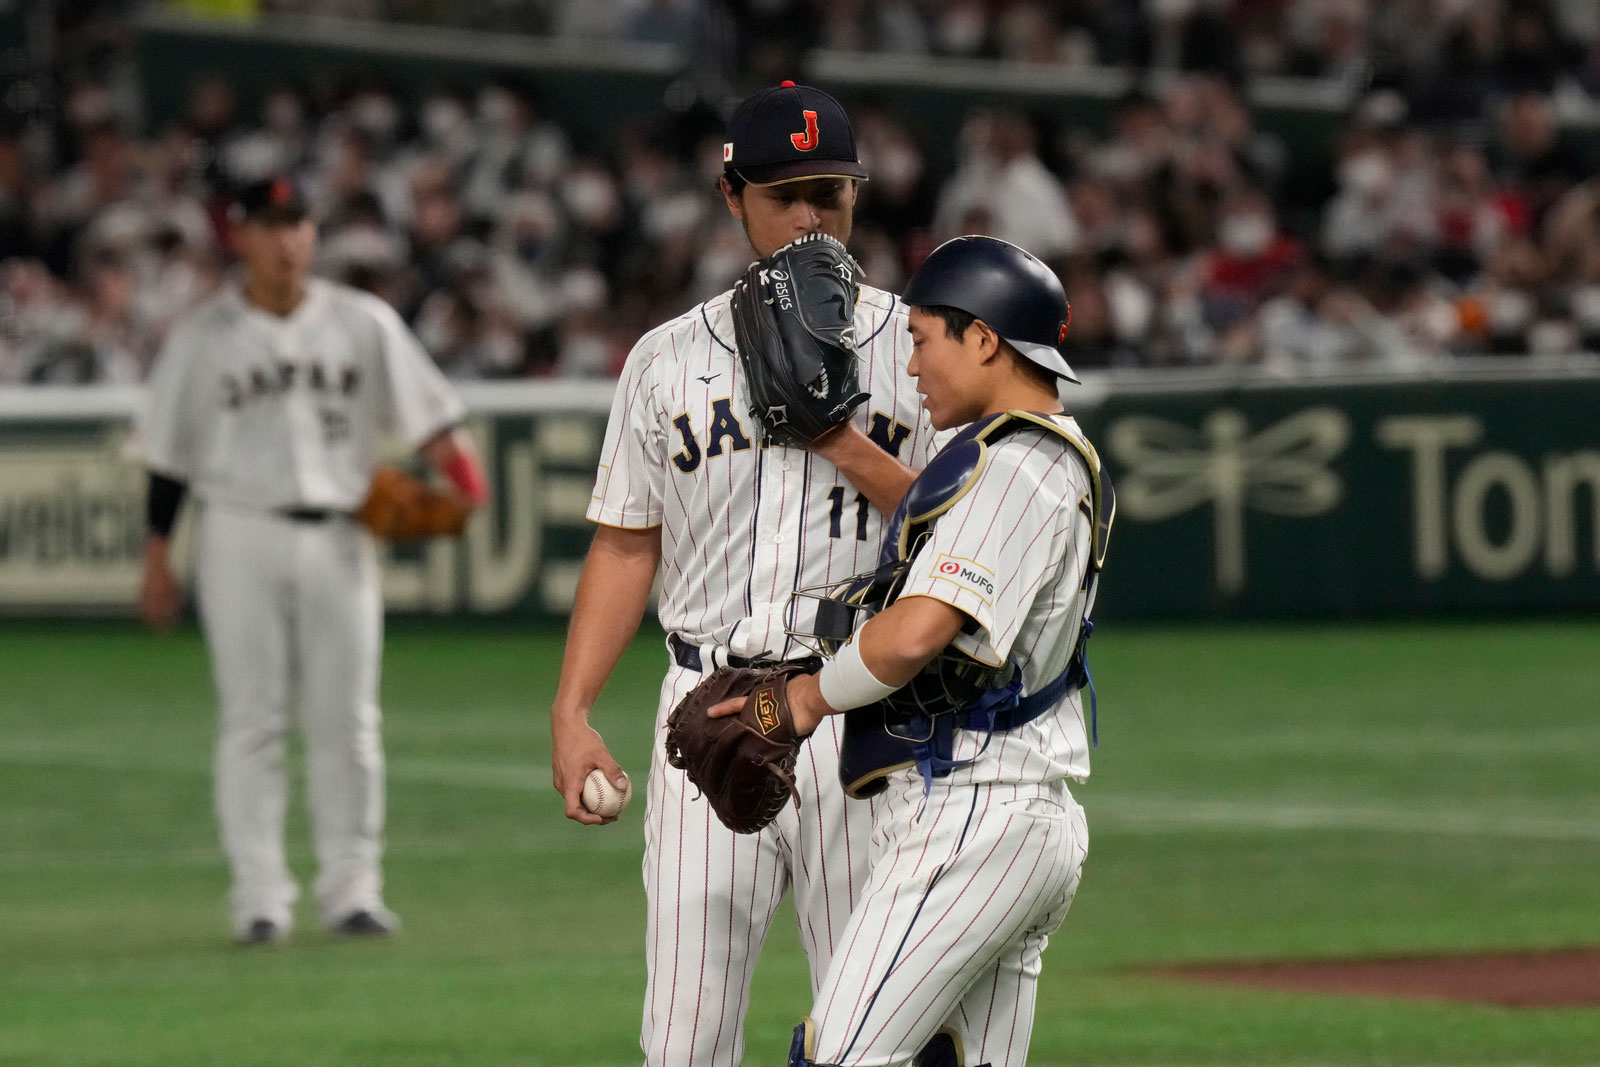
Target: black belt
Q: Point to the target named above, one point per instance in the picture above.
(688, 657)
(309, 514)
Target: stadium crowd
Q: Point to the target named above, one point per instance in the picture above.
(1458, 215)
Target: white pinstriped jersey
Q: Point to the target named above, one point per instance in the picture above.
(1013, 553)
(744, 525)
(267, 412)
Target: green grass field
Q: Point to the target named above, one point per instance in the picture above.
(1259, 793)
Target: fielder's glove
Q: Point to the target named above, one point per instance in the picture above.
(744, 763)
(401, 508)
(794, 319)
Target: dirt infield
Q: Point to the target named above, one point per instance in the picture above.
(1565, 978)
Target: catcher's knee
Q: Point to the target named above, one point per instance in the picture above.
(803, 1047)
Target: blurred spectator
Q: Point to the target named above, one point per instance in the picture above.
(1319, 325)
(99, 338)
(1189, 35)
(1457, 217)
(1534, 158)
(1471, 216)
(31, 302)
(1253, 260)
(1003, 189)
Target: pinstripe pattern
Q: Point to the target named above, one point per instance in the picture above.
(741, 528)
(969, 881)
(1021, 520)
(713, 893)
(949, 930)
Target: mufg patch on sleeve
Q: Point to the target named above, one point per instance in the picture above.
(966, 574)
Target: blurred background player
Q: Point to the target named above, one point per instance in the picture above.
(270, 402)
(686, 486)
(978, 845)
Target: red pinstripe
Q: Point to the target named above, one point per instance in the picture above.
(672, 998)
(951, 946)
(627, 413)
(707, 1029)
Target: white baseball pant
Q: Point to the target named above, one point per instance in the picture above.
(966, 888)
(293, 617)
(712, 894)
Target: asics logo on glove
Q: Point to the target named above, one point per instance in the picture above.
(795, 333)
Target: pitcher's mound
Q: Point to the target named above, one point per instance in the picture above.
(1565, 978)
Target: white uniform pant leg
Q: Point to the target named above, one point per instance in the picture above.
(829, 840)
(712, 895)
(243, 571)
(964, 898)
(995, 1019)
(339, 637)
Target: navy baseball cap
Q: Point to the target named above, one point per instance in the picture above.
(790, 133)
(275, 199)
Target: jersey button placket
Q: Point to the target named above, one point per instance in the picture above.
(778, 501)
(298, 414)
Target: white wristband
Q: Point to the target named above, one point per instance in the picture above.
(846, 682)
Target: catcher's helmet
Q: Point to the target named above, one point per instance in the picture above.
(1011, 290)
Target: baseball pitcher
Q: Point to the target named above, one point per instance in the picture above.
(755, 445)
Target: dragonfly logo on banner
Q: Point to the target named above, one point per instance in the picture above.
(1166, 468)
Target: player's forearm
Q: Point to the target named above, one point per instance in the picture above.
(869, 468)
(612, 593)
(454, 455)
(905, 637)
(886, 654)
(157, 551)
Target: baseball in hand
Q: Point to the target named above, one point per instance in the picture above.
(602, 797)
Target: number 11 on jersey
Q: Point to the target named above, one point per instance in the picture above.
(836, 513)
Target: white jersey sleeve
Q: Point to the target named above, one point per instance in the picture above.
(1014, 550)
(167, 433)
(631, 477)
(420, 400)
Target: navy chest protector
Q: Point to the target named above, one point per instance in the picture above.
(915, 726)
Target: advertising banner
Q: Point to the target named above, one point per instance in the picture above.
(1368, 498)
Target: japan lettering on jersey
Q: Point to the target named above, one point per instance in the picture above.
(743, 524)
(266, 412)
(1014, 554)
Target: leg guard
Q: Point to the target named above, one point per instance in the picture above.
(944, 1050)
(803, 1047)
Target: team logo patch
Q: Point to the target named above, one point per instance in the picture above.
(967, 574)
(808, 140)
(767, 710)
(727, 151)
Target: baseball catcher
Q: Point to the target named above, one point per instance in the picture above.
(744, 763)
(399, 507)
(794, 321)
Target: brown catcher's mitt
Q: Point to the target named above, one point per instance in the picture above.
(401, 508)
(744, 763)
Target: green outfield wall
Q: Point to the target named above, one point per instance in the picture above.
(1243, 497)
(1369, 498)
